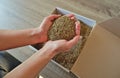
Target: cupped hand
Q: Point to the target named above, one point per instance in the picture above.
(63, 45)
(42, 30)
(44, 27)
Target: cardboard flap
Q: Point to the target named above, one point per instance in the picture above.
(100, 55)
(112, 25)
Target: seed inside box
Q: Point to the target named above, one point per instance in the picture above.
(67, 59)
(62, 28)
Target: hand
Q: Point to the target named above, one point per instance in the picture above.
(44, 27)
(63, 45)
(42, 30)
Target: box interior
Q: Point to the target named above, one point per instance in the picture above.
(64, 58)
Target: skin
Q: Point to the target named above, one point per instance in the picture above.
(33, 65)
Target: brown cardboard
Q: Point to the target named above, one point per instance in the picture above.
(112, 25)
(101, 54)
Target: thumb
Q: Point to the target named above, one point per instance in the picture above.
(53, 16)
(77, 23)
(74, 41)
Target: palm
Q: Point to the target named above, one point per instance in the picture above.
(45, 27)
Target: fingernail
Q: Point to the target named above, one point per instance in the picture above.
(72, 18)
(72, 14)
(59, 15)
(81, 37)
(78, 22)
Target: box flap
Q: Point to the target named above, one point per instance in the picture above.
(112, 25)
(101, 54)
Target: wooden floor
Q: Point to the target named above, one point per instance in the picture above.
(22, 14)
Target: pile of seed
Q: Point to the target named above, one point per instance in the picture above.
(62, 28)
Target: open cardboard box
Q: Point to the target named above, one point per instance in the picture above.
(89, 25)
(100, 55)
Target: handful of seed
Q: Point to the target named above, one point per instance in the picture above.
(62, 28)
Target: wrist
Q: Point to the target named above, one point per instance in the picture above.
(48, 51)
(36, 35)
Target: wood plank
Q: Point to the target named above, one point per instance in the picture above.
(20, 13)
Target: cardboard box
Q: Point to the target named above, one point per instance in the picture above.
(101, 53)
(89, 23)
(67, 59)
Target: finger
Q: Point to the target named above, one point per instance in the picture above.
(53, 16)
(73, 41)
(70, 15)
(73, 18)
(77, 23)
